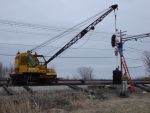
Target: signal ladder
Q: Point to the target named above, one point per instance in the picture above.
(125, 67)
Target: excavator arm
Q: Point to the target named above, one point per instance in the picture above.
(83, 32)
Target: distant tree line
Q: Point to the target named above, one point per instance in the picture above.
(147, 60)
(5, 71)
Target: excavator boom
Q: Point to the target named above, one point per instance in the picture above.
(83, 32)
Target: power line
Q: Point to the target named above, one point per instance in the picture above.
(28, 25)
(57, 46)
(12, 23)
(73, 48)
(24, 32)
(140, 50)
(6, 54)
(48, 35)
(135, 37)
(98, 57)
(60, 35)
(137, 66)
(132, 49)
(19, 24)
(68, 30)
(88, 38)
(15, 44)
(78, 57)
(33, 33)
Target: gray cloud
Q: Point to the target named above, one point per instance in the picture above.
(133, 16)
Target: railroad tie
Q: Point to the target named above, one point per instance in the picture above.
(80, 89)
(143, 87)
(8, 91)
(28, 89)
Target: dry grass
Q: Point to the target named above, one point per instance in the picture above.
(16, 104)
(71, 102)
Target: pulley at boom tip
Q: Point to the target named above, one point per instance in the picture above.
(114, 6)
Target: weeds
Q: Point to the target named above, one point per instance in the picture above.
(73, 102)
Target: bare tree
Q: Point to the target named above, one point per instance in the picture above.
(147, 60)
(86, 73)
(5, 71)
(1, 70)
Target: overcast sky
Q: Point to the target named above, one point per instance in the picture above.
(132, 16)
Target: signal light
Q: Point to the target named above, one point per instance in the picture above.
(113, 40)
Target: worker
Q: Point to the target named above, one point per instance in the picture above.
(124, 84)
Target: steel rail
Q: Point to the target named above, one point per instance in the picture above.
(78, 82)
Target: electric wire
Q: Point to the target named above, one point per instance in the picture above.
(68, 30)
(28, 25)
(25, 32)
(137, 66)
(103, 49)
(13, 23)
(43, 44)
(60, 29)
(139, 50)
(42, 34)
(87, 39)
(81, 57)
(80, 47)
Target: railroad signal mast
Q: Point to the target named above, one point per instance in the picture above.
(117, 41)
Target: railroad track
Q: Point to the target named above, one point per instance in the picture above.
(78, 82)
(13, 90)
(143, 87)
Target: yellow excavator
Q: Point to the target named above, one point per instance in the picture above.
(31, 67)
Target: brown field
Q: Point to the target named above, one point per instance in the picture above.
(75, 102)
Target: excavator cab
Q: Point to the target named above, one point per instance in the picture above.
(31, 68)
(50, 72)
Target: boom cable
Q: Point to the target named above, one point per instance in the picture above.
(68, 31)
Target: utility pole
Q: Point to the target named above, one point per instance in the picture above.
(120, 48)
(121, 52)
(118, 45)
(125, 75)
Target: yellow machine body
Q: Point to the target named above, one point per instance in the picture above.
(29, 65)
